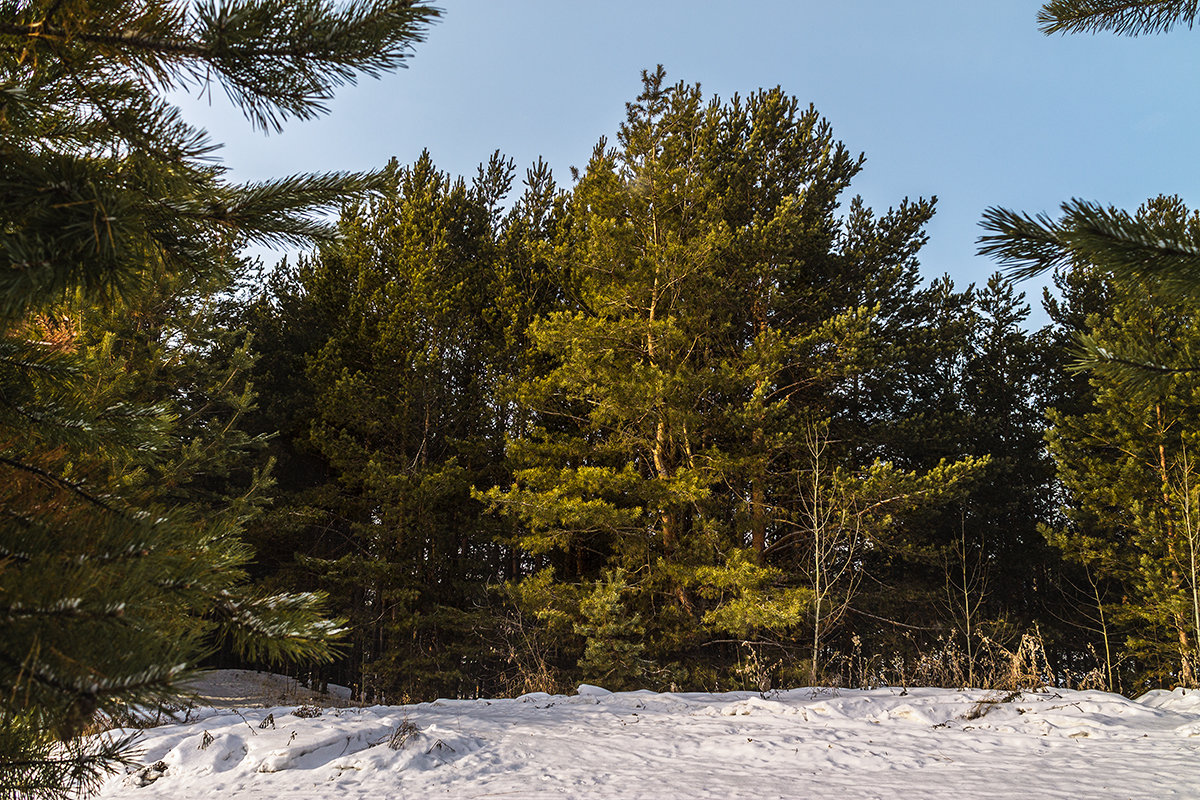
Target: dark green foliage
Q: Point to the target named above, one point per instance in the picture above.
(396, 341)
(1124, 458)
(125, 479)
(948, 374)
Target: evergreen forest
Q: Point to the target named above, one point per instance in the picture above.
(697, 421)
(690, 418)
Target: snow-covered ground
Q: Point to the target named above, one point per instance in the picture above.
(803, 743)
(242, 688)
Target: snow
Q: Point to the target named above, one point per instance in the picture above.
(834, 743)
(238, 688)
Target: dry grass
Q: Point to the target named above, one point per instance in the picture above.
(403, 734)
(1015, 666)
(986, 704)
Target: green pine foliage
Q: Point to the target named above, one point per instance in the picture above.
(1005, 393)
(397, 342)
(1126, 17)
(973, 381)
(716, 303)
(1159, 248)
(126, 481)
(1124, 458)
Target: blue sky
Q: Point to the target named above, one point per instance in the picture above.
(963, 99)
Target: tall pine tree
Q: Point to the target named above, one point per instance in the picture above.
(716, 313)
(1125, 459)
(112, 584)
(388, 353)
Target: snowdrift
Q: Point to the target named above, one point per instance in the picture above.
(821, 743)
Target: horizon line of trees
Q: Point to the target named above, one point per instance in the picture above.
(689, 423)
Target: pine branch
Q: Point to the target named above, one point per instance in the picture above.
(219, 28)
(1122, 17)
(1025, 245)
(276, 59)
(58, 481)
(279, 627)
(1162, 251)
(66, 608)
(34, 764)
(1133, 370)
(289, 210)
(1158, 251)
(94, 690)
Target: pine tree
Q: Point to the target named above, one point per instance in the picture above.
(714, 309)
(114, 582)
(388, 353)
(996, 565)
(1124, 458)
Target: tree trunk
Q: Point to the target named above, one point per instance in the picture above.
(1187, 674)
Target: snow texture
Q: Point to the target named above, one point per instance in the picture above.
(802, 743)
(242, 688)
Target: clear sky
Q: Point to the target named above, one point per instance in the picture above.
(963, 99)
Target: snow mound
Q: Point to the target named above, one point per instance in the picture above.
(882, 743)
(1185, 701)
